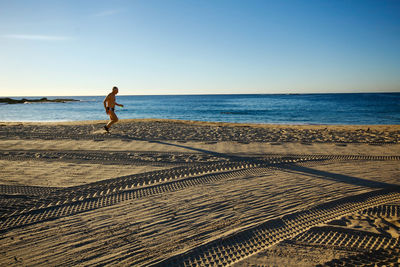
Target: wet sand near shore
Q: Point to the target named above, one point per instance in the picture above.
(180, 193)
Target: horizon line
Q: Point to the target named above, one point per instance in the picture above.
(216, 94)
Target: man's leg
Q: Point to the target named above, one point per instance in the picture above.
(113, 119)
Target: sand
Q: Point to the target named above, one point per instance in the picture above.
(184, 193)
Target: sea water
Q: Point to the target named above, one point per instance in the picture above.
(360, 108)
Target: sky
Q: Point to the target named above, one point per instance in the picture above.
(145, 47)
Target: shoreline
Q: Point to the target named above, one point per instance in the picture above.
(202, 123)
(181, 130)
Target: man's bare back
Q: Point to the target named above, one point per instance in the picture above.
(110, 99)
(109, 105)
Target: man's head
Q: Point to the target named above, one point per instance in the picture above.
(115, 90)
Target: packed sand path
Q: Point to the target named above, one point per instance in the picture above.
(179, 193)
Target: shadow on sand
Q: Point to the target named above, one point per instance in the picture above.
(288, 167)
(296, 169)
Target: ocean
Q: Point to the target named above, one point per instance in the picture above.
(349, 109)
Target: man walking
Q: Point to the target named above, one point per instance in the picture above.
(109, 105)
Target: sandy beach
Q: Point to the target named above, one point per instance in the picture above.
(184, 193)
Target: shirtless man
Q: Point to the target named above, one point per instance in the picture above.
(109, 106)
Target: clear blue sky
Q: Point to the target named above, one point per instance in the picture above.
(71, 47)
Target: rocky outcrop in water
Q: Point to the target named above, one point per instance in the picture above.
(7, 100)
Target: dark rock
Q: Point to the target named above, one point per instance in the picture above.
(8, 100)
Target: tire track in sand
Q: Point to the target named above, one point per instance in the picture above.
(179, 172)
(382, 257)
(55, 208)
(236, 247)
(69, 201)
(339, 237)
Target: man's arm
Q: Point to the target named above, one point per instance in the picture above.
(119, 105)
(105, 103)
